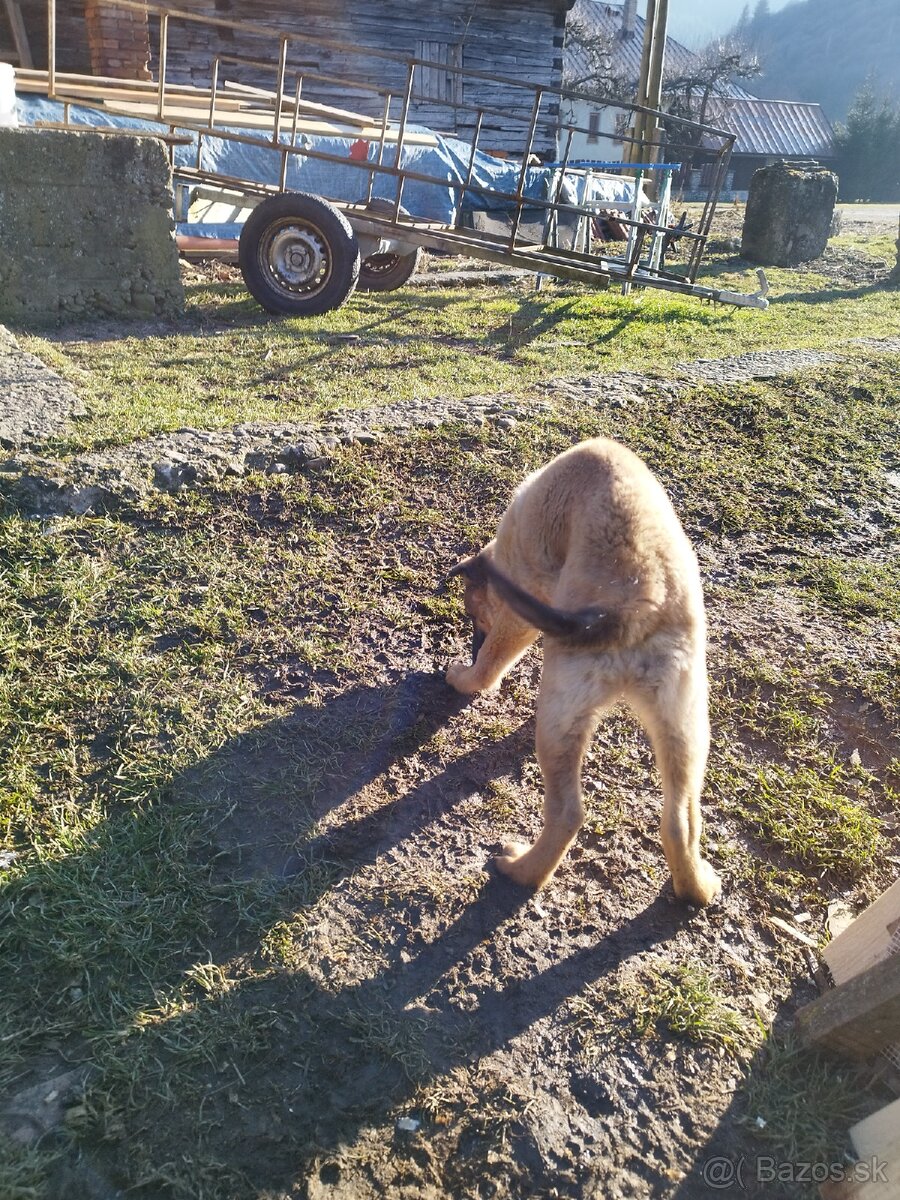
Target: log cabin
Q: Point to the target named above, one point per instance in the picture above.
(520, 39)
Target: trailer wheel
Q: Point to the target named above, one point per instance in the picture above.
(298, 255)
(387, 272)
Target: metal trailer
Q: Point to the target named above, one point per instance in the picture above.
(304, 254)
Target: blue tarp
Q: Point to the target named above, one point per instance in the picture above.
(447, 161)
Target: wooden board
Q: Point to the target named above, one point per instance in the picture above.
(878, 1136)
(872, 936)
(860, 1016)
(876, 1141)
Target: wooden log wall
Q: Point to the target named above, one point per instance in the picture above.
(72, 50)
(504, 37)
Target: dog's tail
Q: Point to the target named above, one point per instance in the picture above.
(587, 627)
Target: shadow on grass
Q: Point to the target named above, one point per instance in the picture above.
(203, 1069)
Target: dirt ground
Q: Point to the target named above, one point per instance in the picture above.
(397, 1020)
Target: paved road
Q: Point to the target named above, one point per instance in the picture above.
(871, 214)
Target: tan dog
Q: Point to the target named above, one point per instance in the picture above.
(590, 552)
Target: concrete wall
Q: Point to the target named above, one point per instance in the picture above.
(85, 226)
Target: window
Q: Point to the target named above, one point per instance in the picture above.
(431, 83)
(593, 128)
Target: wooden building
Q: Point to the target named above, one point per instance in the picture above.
(520, 39)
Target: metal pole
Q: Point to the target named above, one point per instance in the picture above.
(523, 174)
(401, 136)
(296, 119)
(279, 91)
(385, 121)
(473, 151)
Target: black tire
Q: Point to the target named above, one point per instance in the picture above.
(298, 255)
(387, 272)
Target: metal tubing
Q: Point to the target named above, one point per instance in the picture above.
(401, 135)
(212, 93)
(51, 48)
(523, 174)
(385, 121)
(298, 90)
(473, 150)
(279, 92)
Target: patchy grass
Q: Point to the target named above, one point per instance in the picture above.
(801, 1103)
(245, 823)
(227, 362)
(689, 1004)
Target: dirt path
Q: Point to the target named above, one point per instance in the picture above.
(188, 458)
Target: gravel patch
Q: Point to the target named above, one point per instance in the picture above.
(101, 480)
(35, 403)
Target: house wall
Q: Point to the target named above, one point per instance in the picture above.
(602, 147)
(72, 51)
(509, 37)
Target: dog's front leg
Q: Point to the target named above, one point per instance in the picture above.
(507, 641)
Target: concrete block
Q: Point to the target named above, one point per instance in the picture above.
(80, 214)
(789, 212)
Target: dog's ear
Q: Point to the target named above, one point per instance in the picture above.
(472, 568)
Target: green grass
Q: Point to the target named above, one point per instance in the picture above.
(801, 1103)
(690, 1004)
(198, 671)
(227, 362)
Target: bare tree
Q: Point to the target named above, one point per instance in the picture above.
(591, 66)
(688, 93)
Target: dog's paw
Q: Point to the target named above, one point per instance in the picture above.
(459, 676)
(702, 887)
(512, 862)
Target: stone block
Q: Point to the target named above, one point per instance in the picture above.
(789, 212)
(86, 226)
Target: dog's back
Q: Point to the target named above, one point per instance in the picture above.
(594, 530)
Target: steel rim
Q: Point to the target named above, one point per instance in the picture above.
(380, 264)
(296, 257)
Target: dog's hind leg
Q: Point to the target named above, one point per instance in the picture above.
(675, 717)
(503, 646)
(569, 708)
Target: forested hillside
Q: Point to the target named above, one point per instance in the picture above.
(824, 50)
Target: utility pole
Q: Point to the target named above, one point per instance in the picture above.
(649, 93)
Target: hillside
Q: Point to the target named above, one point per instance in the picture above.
(824, 50)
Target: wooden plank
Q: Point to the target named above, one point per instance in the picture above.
(872, 936)
(880, 1181)
(878, 1136)
(860, 1016)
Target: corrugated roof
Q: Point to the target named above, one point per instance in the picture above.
(763, 127)
(602, 20)
(774, 127)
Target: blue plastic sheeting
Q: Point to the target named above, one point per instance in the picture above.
(447, 161)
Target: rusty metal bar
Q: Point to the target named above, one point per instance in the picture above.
(385, 121)
(473, 151)
(401, 136)
(214, 84)
(296, 118)
(279, 91)
(51, 48)
(523, 174)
